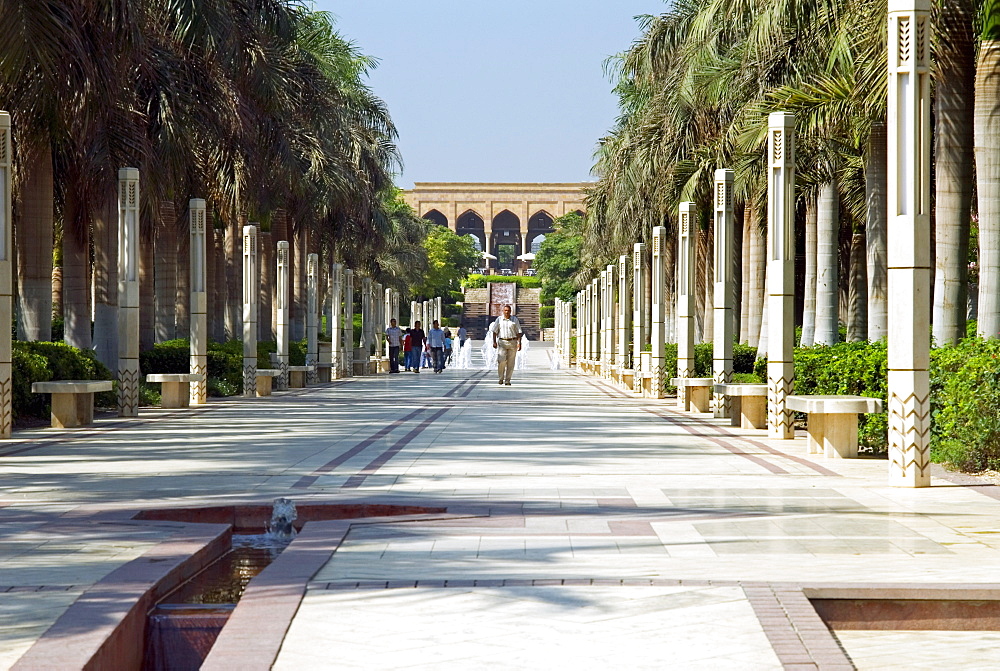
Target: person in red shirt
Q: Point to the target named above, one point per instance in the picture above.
(417, 338)
(407, 350)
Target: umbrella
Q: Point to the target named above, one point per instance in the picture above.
(527, 257)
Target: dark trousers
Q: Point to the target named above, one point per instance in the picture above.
(393, 359)
(437, 357)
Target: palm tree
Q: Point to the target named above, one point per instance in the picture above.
(987, 152)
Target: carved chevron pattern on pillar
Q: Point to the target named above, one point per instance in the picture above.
(199, 389)
(909, 422)
(637, 377)
(656, 384)
(721, 402)
(283, 376)
(6, 408)
(249, 380)
(128, 393)
(779, 419)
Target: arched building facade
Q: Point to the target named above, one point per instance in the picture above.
(508, 221)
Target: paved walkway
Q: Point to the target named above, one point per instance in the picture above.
(589, 529)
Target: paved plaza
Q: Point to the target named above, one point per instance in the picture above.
(585, 529)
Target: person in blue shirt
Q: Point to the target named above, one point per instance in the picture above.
(435, 341)
(447, 350)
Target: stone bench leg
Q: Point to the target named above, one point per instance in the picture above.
(323, 374)
(833, 434)
(175, 395)
(296, 379)
(72, 410)
(735, 410)
(698, 399)
(753, 412)
(264, 385)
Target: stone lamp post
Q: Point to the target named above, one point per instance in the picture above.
(657, 336)
(281, 305)
(686, 287)
(128, 292)
(624, 313)
(638, 315)
(312, 316)
(6, 278)
(780, 272)
(349, 321)
(251, 294)
(198, 393)
(909, 207)
(724, 295)
(337, 316)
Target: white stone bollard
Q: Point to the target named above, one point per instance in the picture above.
(281, 303)
(686, 287)
(657, 336)
(724, 291)
(198, 389)
(6, 278)
(128, 292)
(312, 316)
(780, 273)
(909, 208)
(638, 315)
(251, 294)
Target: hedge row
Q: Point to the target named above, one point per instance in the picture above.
(476, 281)
(44, 361)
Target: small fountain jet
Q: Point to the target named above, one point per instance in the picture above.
(282, 516)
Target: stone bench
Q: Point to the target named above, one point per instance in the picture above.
(265, 378)
(832, 427)
(697, 392)
(324, 371)
(749, 404)
(297, 376)
(72, 400)
(175, 388)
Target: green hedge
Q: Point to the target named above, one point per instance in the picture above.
(44, 361)
(547, 311)
(548, 322)
(523, 281)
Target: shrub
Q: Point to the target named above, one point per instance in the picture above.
(965, 404)
(451, 310)
(548, 322)
(547, 311)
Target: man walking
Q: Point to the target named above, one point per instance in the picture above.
(462, 335)
(435, 340)
(416, 345)
(393, 336)
(507, 341)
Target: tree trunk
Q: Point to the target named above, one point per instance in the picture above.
(954, 98)
(809, 297)
(987, 134)
(105, 224)
(76, 274)
(746, 263)
(268, 277)
(182, 300)
(33, 242)
(758, 280)
(57, 295)
(857, 299)
(234, 278)
(827, 248)
(147, 281)
(876, 185)
(708, 290)
(220, 269)
(166, 271)
(300, 249)
(738, 278)
(279, 232)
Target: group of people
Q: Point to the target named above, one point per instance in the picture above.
(434, 347)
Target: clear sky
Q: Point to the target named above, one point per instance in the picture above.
(498, 90)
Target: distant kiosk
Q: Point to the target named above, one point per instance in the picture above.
(507, 221)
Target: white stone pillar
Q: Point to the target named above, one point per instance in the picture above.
(638, 316)
(198, 393)
(568, 334)
(686, 287)
(606, 341)
(724, 290)
(780, 272)
(251, 294)
(596, 335)
(282, 300)
(909, 206)
(624, 310)
(337, 317)
(439, 310)
(658, 325)
(128, 292)
(414, 313)
(581, 328)
(6, 278)
(389, 313)
(312, 316)
(365, 344)
(348, 322)
(378, 322)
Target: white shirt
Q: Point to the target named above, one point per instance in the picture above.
(506, 328)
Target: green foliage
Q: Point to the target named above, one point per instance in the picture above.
(746, 378)
(558, 258)
(547, 322)
(43, 361)
(449, 259)
(451, 310)
(149, 393)
(547, 311)
(965, 404)
(476, 281)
